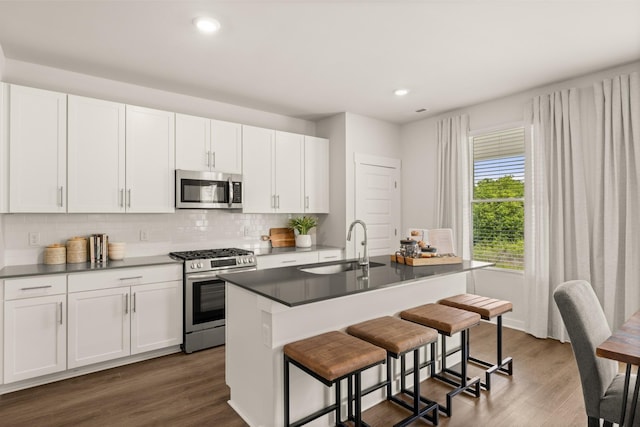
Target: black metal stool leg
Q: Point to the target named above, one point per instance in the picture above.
(286, 390)
(502, 365)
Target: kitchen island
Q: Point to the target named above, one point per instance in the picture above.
(267, 309)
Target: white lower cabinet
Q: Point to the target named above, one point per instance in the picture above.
(156, 316)
(35, 329)
(98, 326)
(128, 317)
(286, 260)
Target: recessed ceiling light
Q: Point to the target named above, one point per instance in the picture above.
(206, 25)
(401, 92)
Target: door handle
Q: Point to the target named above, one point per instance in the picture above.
(208, 158)
(134, 302)
(126, 304)
(61, 196)
(122, 197)
(129, 198)
(61, 313)
(278, 201)
(213, 159)
(306, 202)
(36, 287)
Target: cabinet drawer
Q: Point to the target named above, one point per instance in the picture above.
(35, 286)
(330, 255)
(79, 282)
(287, 260)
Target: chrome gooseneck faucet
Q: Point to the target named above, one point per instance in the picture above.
(364, 261)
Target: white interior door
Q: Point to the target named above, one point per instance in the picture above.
(378, 204)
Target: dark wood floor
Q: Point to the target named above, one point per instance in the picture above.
(189, 390)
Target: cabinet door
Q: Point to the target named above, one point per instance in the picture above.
(150, 160)
(37, 150)
(226, 147)
(289, 175)
(316, 175)
(257, 167)
(193, 136)
(4, 149)
(35, 335)
(99, 326)
(96, 161)
(156, 316)
(286, 260)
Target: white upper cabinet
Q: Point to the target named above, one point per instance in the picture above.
(4, 152)
(272, 171)
(150, 161)
(96, 155)
(37, 150)
(208, 145)
(289, 173)
(257, 170)
(316, 175)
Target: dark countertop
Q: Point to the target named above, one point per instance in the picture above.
(276, 251)
(13, 271)
(292, 287)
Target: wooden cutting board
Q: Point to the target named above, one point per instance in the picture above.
(282, 237)
(416, 262)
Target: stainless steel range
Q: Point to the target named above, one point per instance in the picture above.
(204, 316)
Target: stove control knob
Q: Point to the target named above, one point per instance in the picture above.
(192, 266)
(241, 260)
(199, 265)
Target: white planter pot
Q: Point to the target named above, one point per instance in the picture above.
(303, 241)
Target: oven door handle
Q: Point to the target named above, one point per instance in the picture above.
(193, 277)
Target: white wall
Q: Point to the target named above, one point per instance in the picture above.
(419, 151)
(29, 74)
(350, 134)
(330, 229)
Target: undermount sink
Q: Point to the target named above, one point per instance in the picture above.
(338, 267)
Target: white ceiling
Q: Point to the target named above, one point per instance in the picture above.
(309, 59)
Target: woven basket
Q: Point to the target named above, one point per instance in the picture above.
(55, 254)
(76, 250)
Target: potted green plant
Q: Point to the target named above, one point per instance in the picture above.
(301, 225)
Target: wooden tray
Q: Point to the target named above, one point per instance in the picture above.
(417, 262)
(282, 237)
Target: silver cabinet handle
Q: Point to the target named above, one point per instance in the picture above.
(61, 196)
(208, 158)
(278, 201)
(289, 261)
(330, 257)
(230, 184)
(130, 278)
(213, 159)
(122, 197)
(36, 287)
(126, 303)
(306, 202)
(273, 201)
(61, 313)
(134, 302)
(129, 198)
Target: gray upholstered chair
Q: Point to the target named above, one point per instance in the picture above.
(602, 385)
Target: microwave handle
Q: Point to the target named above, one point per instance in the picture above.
(230, 192)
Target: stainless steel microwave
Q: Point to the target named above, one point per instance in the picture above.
(208, 190)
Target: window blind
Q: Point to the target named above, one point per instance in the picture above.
(498, 198)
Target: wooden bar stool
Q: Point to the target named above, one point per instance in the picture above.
(329, 358)
(448, 321)
(487, 308)
(399, 337)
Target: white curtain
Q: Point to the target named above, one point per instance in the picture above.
(452, 204)
(616, 225)
(557, 217)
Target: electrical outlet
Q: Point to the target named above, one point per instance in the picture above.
(144, 235)
(34, 239)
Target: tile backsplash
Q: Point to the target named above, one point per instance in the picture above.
(145, 234)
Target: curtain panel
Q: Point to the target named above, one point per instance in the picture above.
(557, 216)
(615, 252)
(452, 204)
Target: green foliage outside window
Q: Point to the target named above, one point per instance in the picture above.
(498, 226)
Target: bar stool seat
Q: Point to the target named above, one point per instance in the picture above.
(448, 321)
(331, 357)
(399, 337)
(487, 308)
